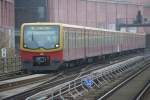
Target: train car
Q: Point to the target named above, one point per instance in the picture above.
(48, 46)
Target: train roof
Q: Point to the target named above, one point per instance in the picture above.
(78, 26)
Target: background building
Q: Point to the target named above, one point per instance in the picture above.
(30, 11)
(7, 24)
(94, 13)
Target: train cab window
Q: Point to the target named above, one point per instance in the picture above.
(41, 36)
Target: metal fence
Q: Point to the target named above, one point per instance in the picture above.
(11, 64)
(76, 87)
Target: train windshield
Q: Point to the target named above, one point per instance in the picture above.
(46, 37)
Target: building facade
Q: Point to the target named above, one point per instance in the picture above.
(30, 11)
(7, 24)
(94, 13)
(106, 14)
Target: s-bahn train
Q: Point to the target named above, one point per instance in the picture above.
(48, 46)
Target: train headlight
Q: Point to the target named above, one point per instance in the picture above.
(25, 45)
(57, 45)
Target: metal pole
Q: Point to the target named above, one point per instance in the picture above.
(86, 12)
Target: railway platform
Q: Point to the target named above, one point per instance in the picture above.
(13, 83)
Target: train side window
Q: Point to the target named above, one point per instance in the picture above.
(77, 40)
(112, 39)
(66, 40)
(80, 39)
(70, 40)
(102, 40)
(91, 40)
(111, 42)
(93, 35)
(96, 38)
(87, 39)
(82, 42)
(99, 39)
(105, 39)
(95, 44)
(73, 39)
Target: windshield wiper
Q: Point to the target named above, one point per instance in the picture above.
(34, 42)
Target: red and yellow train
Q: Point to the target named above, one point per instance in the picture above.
(48, 46)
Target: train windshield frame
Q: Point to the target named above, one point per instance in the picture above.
(41, 36)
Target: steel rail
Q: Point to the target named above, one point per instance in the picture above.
(67, 87)
(53, 82)
(143, 91)
(124, 82)
(47, 84)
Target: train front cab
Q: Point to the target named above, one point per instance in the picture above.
(35, 50)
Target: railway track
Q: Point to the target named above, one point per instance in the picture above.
(113, 61)
(58, 79)
(20, 73)
(131, 88)
(144, 93)
(67, 89)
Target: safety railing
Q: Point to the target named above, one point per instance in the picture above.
(76, 87)
(10, 64)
